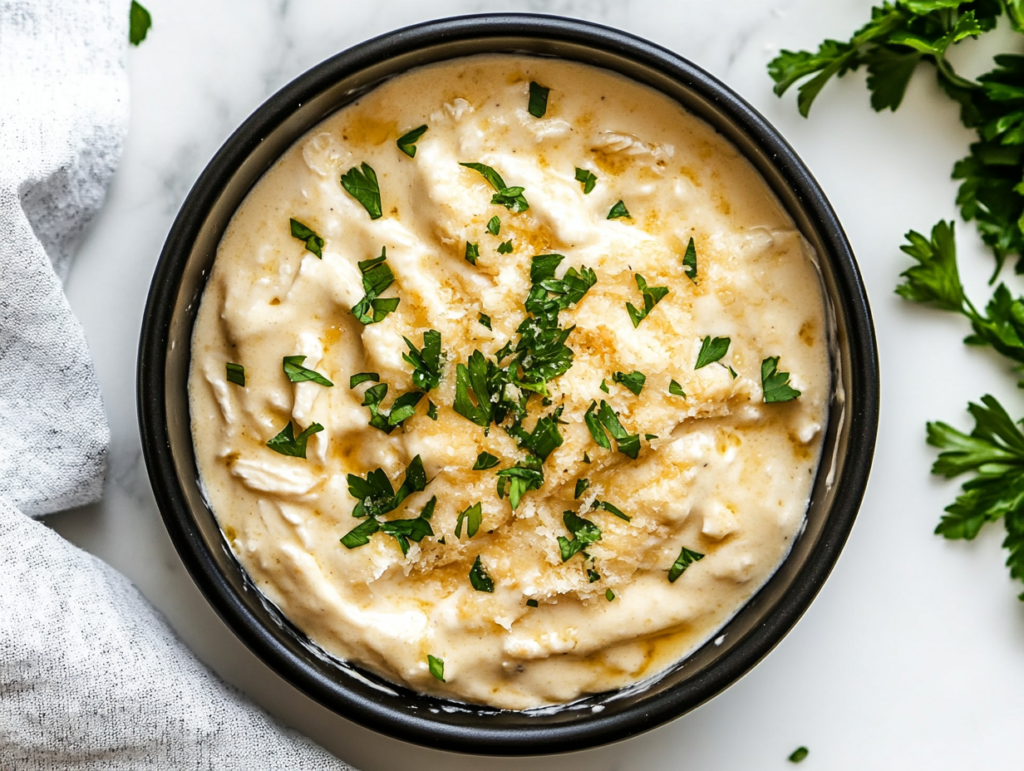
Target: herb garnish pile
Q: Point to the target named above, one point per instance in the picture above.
(899, 37)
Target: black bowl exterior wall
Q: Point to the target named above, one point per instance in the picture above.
(360, 696)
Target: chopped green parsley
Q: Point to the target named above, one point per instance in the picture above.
(361, 184)
(314, 243)
(652, 296)
(287, 443)
(619, 211)
(711, 350)
(435, 664)
(407, 142)
(479, 578)
(538, 100)
(377, 277)
(485, 461)
(472, 253)
(683, 561)
(296, 373)
(472, 516)
(634, 380)
(427, 362)
(586, 178)
(510, 197)
(235, 373)
(776, 383)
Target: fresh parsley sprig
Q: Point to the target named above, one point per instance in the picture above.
(994, 453)
(897, 38)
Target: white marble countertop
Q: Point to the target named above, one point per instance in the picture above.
(913, 654)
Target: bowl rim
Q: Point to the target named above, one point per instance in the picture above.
(863, 398)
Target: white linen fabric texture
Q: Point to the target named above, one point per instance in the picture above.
(91, 676)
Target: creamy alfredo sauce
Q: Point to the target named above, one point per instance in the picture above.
(718, 471)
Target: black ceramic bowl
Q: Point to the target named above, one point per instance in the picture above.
(362, 696)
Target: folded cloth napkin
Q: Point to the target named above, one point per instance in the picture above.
(91, 677)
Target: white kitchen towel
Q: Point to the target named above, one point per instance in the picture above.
(91, 677)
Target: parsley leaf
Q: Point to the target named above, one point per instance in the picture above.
(139, 22)
(690, 262)
(402, 530)
(505, 247)
(494, 225)
(604, 386)
(363, 377)
(675, 389)
(532, 604)
(473, 376)
(360, 534)
(472, 253)
(581, 487)
(619, 211)
(544, 439)
(798, 754)
(377, 277)
(605, 419)
(609, 595)
(361, 184)
(485, 320)
(652, 296)
(586, 178)
(584, 533)
(634, 380)
(485, 461)
(298, 374)
(427, 362)
(436, 667)
(314, 243)
(891, 45)
(375, 496)
(683, 561)
(472, 516)
(613, 510)
(538, 100)
(403, 408)
(407, 142)
(524, 476)
(935, 281)
(711, 350)
(994, 452)
(431, 410)
(509, 197)
(235, 373)
(479, 578)
(287, 443)
(775, 383)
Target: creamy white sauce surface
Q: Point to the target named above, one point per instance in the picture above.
(727, 475)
